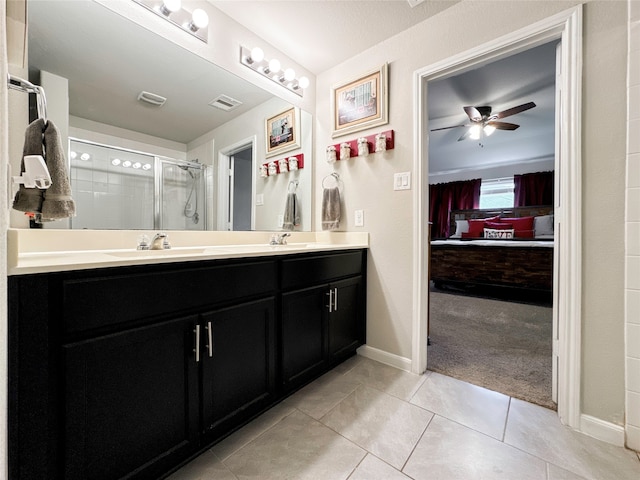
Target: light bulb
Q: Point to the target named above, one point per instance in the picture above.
(170, 6)
(126, 164)
(85, 157)
(73, 155)
(289, 74)
(199, 19)
(303, 82)
(474, 132)
(257, 55)
(115, 162)
(137, 165)
(489, 129)
(146, 166)
(274, 65)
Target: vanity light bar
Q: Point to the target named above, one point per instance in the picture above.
(196, 23)
(271, 69)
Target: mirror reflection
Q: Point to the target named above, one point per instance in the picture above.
(191, 163)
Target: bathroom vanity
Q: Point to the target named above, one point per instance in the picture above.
(128, 371)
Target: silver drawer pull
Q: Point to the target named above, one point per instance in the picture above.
(335, 299)
(197, 349)
(330, 300)
(210, 335)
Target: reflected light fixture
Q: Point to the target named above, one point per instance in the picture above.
(85, 156)
(255, 60)
(474, 132)
(195, 23)
(126, 164)
(115, 162)
(489, 129)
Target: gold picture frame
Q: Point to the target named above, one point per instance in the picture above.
(282, 132)
(360, 103)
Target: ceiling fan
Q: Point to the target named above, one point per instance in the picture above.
(483, 121)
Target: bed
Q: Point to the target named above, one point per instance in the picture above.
(501, 255)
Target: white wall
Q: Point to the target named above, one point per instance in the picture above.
(633, 233)
(488, 173)
(388, 213)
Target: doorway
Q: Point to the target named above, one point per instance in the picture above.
(236, 185)
(486, 327)
(565, 27)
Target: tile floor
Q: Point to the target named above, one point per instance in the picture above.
(368, 421)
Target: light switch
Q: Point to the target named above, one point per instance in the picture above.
(359, 218)
(280, 221)
(402, 181)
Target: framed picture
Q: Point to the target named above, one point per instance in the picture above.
(360, 103)
(282, 132)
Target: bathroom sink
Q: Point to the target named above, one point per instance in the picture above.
(172, 252)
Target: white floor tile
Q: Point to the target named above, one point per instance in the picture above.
(380, 423)
(372, 468)
(317, 398)
(556, 473)
(205, 467)
(538, 431)
(450, 451)
(475, 407)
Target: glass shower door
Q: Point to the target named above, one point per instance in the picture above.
(181, 195)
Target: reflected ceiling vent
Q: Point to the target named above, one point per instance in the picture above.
(151, 98)
(413, 3)
(225, 103)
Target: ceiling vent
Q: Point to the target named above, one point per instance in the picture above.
(225, 103)
(151, 98)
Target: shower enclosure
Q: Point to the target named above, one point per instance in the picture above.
(120, 189)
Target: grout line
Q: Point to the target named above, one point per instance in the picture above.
(416, 445)
(506, 420)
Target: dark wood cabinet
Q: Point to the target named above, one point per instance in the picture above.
(130, 401)
(128, 372)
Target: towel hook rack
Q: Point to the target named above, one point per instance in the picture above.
(17, 83)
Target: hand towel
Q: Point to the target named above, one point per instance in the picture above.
(291, 212)
(57, 201)
(331, 208)
(30, 199)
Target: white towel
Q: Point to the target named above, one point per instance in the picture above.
(331, 208)
(291, 212)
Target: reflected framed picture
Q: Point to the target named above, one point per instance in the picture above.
(360, 103)
(282, 132)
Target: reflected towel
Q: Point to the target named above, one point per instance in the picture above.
(57, 201)
(331, 208)
(30, 199)
(291, 212)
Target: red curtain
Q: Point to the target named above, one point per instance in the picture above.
(532, 189)
(444, 197)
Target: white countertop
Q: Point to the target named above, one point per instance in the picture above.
(48, 250)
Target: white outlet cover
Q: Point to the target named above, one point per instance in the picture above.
(359, 218)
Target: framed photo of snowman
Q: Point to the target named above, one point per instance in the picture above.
(360, 103)
(282, 132)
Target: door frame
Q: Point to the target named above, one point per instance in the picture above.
(565, 26)
(223, 190)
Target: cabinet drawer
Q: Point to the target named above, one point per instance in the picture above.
(301, 271)
(94, 302)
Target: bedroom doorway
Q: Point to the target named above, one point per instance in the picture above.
(565, 27)
(488, 325)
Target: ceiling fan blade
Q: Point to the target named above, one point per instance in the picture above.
(473, 113)
(446, 128)
(514, 110)
(503, 125)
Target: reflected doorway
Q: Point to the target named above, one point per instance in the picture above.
(236, 211)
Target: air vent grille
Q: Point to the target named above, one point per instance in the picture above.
(152, 98)
(224, 102)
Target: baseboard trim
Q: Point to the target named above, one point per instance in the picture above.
(385, 357)
(601, 430)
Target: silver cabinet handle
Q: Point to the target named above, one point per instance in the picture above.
(335, 299)
(210, 335)
(197, 349)
(330, 300)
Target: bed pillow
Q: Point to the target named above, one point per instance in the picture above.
(523, 226)
(543, 226)
(498, 233)
(462, 226)
(498, 225)
(476, 227)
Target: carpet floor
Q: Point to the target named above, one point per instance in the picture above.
(496, 344)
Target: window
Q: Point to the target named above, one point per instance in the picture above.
(497, 193)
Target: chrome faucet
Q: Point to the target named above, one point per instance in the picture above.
(279, 238)
(160, 241)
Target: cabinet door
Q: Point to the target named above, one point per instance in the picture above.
(304, 339)
(130, 406)
(238, 366)
(346, 318)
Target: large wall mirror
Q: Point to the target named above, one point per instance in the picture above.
(192, 163)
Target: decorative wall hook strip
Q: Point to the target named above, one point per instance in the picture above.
(286, 164)
(353, 144)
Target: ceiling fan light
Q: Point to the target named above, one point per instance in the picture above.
(474, 132)
(489, 129)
